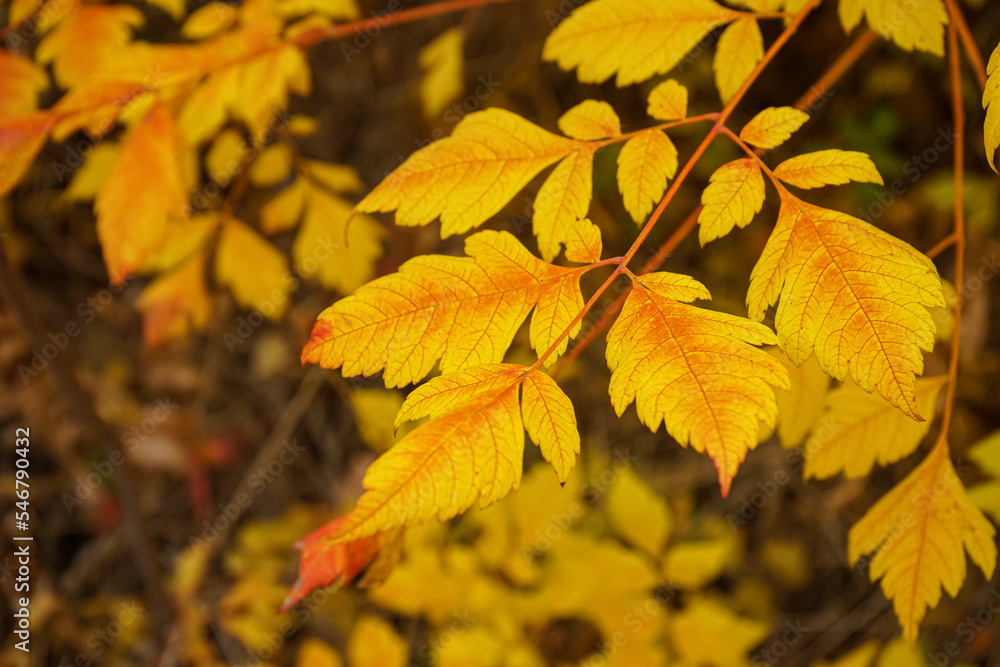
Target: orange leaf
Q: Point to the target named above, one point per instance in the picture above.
(324, 563)
(176, 303)
(20, 140)
(852, 294)
(463, 311)
(144, 191)
(696, 370)
(20, 82)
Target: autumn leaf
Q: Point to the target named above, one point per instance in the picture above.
(463, 311)
(911, 24)
(829, 167)
(374, 643)
(255, 271)
(694, 369)
(645, 164)
(741, 47)
(584, 245)
(735, 194)
(773, 126)
(707, 632)
(176, 304)
(852, 294)
(865, 430)
(21, 138)
(991, 127)
(20, 83)
(919, 533)
(441, 61)
(696, 564)
(632, 38)
(563, 200)
(324, 563)
(471, 451)
(145, 191)
(801, 407)
(668, 101)
(638, 514)
(468, 177)
(590, 120)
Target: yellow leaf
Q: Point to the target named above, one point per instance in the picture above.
(897, 654)
(469, 176)
(645, 164)
(852, 294)
(374, 410)
(563, 200)
(209, 20)
(303, 126)
(986, 497)
(741, 47)
(637, 513)
(272, 166)
(143, 193)
(866, 430)
(317, 653)
(255, 271)
(695, 564)
(334, 9)
(800, 407)
(917, 532)
(991, 128)
(176, 304)
(93, 173)
(207, 108)
(829, 167)
(336, 177)
(859, 657)
(320, 250)
(668, 101)
(20, 83)
(590, 120)
(986, 454)
(911, 24)
(442, 81)
(374, 643)
(463, 311)
(694, 369)
(708, 633)
(285, 209)
(584, 244)
(735, 194)
(264, 86)
(773, 126)
(787, 561)
(633, 38)
(471, 450)
(227, 156)
(182, 241)
(551, 422)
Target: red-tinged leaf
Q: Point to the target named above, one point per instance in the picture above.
(325, 564)
(20, 140)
